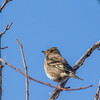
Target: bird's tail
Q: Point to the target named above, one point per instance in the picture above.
(73, 75)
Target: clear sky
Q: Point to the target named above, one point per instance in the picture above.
(70, 25)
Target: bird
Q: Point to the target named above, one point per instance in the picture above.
(56, 67)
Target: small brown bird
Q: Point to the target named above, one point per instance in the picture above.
(56, 67)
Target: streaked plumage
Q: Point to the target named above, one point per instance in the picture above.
(56, 67)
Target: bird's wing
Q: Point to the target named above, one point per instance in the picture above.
(60, 64)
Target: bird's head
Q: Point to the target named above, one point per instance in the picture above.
(52, 50)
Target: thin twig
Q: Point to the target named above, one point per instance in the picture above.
(79, 63)
(25, 69)
(4, 4)
(7, 28)
(18, 70)
(4, 47)
(97, 95)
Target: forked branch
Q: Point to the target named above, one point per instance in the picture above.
(79, 63)
(7, 28)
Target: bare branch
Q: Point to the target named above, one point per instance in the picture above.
(4, 4)
(79, 63)
(18, 70)
(7, 28)
(25, 69)
(97, 95)
(86, 55)
(4, 47)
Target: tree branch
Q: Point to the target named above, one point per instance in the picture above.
(4, 47)
(97, 95)
(79, 63)
(7, 28)
(61, 88)
(86, 55)
(4, 4)
(25, 69)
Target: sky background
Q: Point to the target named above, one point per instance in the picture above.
(70, 25)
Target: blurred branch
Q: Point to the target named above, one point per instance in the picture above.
(4, 4)
(79, 63)
(7, 28)
(97, 95)
(4, 47)
(25, 69)
(61, 88)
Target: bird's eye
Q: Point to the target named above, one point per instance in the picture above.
(51, 50)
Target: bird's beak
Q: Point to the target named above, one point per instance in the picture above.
(43, 52)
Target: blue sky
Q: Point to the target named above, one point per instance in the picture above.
(70, 25)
